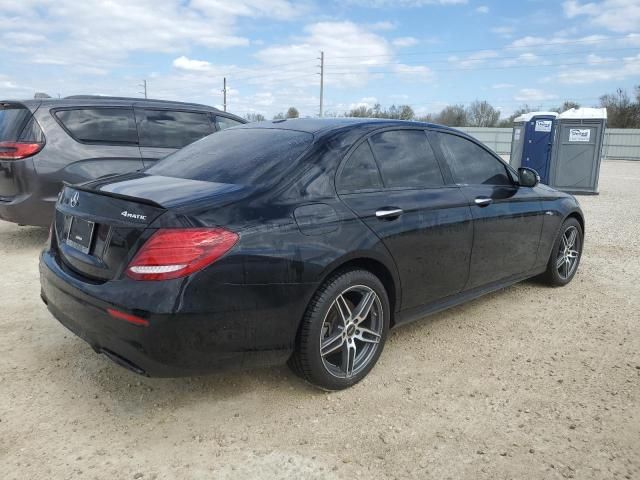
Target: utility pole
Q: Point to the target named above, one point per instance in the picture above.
(144, 86)
(321, 80)
(224, 93)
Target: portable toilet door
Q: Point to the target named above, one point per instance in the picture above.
(577, 152)
(517, 141)
(538, 141)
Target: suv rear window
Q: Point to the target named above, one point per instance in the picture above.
(248, 156)
(171, 129)
(100, 125)
(12, 121)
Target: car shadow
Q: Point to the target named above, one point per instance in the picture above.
(20, 238)
(133, 393)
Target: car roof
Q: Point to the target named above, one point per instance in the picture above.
(100, 100)
(320, 126)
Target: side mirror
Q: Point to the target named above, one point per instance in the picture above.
(528, 177)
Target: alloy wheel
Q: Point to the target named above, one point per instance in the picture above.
(351, 331)
(568, 253)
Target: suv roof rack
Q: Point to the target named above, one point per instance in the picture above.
(136, 99)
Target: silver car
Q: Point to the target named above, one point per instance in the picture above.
(46, 142)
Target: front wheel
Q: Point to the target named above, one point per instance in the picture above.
(343, 331)
(566, 254)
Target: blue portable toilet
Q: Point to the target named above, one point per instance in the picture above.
(532, 142)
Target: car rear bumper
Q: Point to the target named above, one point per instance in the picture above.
(172, 344)
(27, 210)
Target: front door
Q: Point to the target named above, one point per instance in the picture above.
(537, 147)
(401, 195)
(507, 218)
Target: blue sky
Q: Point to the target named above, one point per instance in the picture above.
(426, 53)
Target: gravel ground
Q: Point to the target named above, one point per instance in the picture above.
(529, 382)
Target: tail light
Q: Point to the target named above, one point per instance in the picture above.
(18, 150)
(175, 253)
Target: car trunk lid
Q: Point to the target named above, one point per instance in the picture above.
(100, 225)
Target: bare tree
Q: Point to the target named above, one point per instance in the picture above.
(482, 114)
(622, 112)
(293, 112)
(567, 105)
(254, 117)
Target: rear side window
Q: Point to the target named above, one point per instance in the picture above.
(171, 129)
(12, 122)
(100, 125)
(471, 164)
(224, 122)
(360, 172)
(247, 156)
(406, 159)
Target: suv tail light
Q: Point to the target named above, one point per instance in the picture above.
(18, 150)
(175, 253)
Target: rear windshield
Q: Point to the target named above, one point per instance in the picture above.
(244, 156)
(12, 121)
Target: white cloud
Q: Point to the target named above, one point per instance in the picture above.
(503, 31)
(98, 33)
(185, 63)
(405, 42)
(383, 26)
(533, 95)
(474, 59)
(482, 9)
(413, 71)
(499, 86)
(358, 50)
(403, 3)
(615, 15)
(531, 41)
(629, 67)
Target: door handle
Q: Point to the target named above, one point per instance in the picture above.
(389, 213)
(483, 201)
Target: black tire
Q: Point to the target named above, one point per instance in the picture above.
(323, 320)
(558, 273)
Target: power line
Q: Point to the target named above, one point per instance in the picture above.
(496, 58)
(508, 47)
(466, 69)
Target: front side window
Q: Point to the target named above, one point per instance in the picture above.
(224, 122)
(406, 159)
(360, 172)
(100, 125)
(471, 164)
(171, 129)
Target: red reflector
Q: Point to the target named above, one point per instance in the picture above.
(18, 150)
(175, 253)
(127, 317)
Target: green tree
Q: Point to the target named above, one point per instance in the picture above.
(622, 112)
(453, 116)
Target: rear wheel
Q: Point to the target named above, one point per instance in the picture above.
(343, 331)
(566, 253)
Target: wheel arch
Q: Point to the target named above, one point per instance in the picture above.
(578, 216)
(385, 273)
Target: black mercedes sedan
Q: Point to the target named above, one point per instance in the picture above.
(297, 240)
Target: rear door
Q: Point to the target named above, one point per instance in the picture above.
(108, 144)
(393, 182)
(507, 218)
(163, 131)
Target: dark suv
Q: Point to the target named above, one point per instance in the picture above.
(44, 143)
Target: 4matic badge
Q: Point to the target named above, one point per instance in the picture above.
(135, 216)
